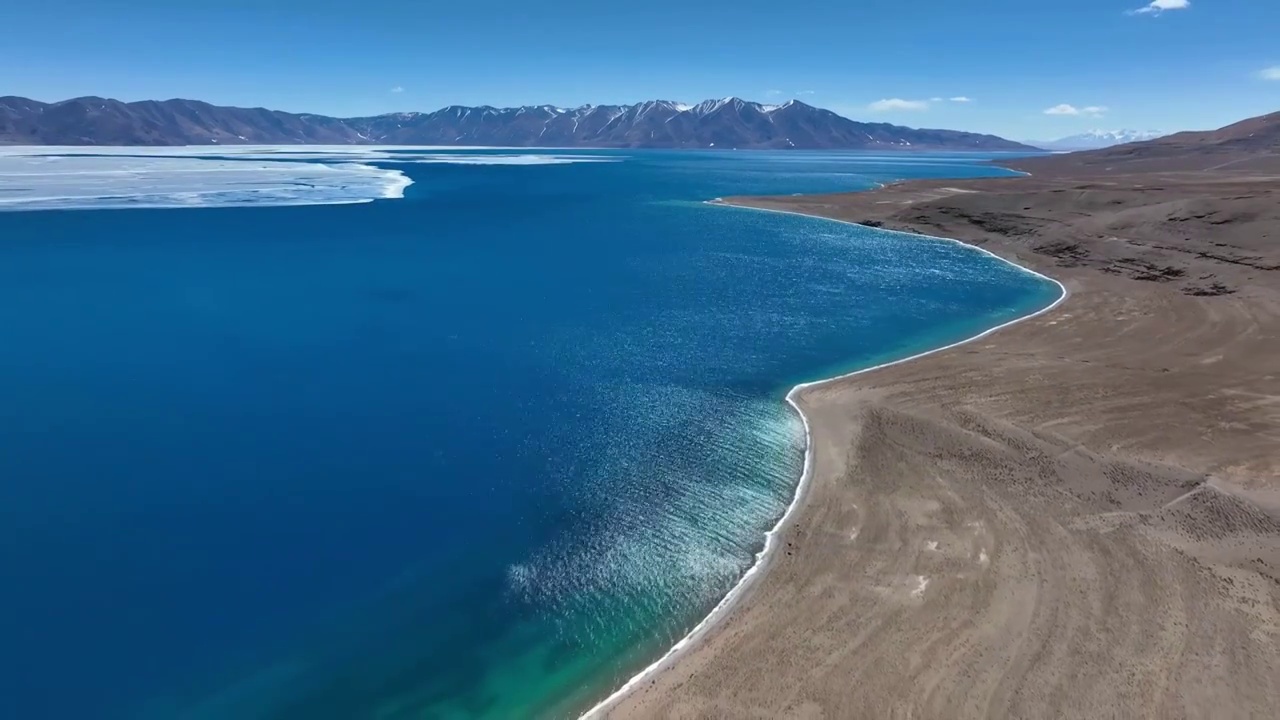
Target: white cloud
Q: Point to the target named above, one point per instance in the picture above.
(935, 99)
(397, 89)
(1271, 73)
(892, 104)
(805, 92)
(961, 99)
(1158, 6)
(1065, 109)
(773, 93)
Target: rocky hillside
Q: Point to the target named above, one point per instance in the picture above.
(1251, 145)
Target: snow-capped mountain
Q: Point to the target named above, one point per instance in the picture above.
(1095, 139)
(726, 123)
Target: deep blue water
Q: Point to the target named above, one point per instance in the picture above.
(482, 451)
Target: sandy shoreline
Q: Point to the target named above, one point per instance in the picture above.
(741, 590)
(1076, 516)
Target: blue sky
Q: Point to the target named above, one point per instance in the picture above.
(1098, 62)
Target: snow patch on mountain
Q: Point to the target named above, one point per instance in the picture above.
(1095, 139)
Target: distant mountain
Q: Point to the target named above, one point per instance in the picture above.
(727, 123)
(100, 121)
(1251, 145)
(1095, 139)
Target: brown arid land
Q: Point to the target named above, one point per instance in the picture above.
(1077, 516)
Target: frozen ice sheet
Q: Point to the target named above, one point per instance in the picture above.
(504, 159)
(47, 181)
(50, 178)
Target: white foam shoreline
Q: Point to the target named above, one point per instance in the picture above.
(721, 610)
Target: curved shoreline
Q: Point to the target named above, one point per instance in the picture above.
(738, 591)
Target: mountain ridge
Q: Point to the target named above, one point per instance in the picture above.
(726, 123)
(1250, 145)
(1097, 139)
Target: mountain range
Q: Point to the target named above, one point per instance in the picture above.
(727, 123)
(1095, 139)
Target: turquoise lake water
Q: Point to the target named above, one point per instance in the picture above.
(480, 452)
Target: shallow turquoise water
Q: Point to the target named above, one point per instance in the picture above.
(483, 451)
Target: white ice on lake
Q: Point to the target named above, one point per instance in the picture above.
(51, 178)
